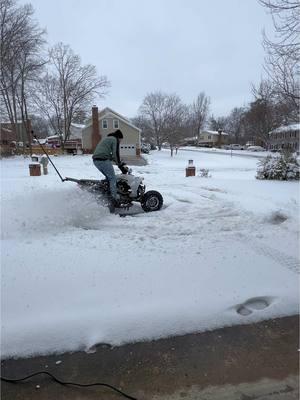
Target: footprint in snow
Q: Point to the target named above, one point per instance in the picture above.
(253, 304)
(276, 218)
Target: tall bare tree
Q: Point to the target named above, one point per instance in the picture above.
(219, 123)
(261, 116)
(153, 110)
(175, 117)
(21, 44)
(146, 131)
(235, 124)
(68, 88)
(199, 113)
(283, 53)
(164, 114)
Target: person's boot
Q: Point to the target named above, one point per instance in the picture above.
(113, 204)
(111, 207)
(117, 203)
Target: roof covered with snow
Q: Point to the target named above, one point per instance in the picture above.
(214, 133)
(80, 126)
(287, 128)
(53, 137)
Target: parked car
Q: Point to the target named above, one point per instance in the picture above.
(233, 147)
(145, 149)
(256, 148)
(237, 147)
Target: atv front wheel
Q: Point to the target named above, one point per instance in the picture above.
(152, 201)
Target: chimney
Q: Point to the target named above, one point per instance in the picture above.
(96, 137)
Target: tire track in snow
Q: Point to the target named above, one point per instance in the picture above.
(286, 261)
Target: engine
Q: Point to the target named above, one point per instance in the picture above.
(123, 187)
(130, 185)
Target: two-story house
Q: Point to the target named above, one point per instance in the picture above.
(103, 122)
(212, 138)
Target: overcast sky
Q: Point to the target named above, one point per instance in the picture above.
(177, 46)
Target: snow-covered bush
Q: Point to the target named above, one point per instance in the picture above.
(284, 168)
(204, 173)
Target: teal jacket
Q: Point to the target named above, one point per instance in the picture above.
(107, 149)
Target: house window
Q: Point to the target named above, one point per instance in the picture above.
(209, 137)
(104, 123)
(116, 124)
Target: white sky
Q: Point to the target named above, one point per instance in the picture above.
(181, 46)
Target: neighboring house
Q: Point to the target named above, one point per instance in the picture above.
(106, 121)
(76, 131)
(286, 137)
(212, 138)
(21, 134)
(7, 141)
(189, 141)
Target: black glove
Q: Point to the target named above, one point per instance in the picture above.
(123, 167)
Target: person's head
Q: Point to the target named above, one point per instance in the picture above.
(117, 134)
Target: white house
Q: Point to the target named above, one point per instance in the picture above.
(287, 136)
(212, 138)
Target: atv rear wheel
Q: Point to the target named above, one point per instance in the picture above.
(152, 201)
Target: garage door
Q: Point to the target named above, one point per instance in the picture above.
(127, 150)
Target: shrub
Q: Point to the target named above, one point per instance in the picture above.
(204, 173)
(283, 168)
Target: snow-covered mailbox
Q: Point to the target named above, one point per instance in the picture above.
(34, 158)
(44, 161)
(190, 169)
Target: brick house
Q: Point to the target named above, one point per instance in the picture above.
(103, 122)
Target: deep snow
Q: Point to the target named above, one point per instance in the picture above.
(222, 251)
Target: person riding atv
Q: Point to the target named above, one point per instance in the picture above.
(108, 150)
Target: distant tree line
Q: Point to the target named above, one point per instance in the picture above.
(50, 87)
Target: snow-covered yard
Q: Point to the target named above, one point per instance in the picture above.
(222, 251)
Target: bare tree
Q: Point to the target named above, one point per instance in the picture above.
(68, 88)
(21, 43)
(175, 117)
(199, 113)
(153, 110)
(164, 115)
(218, 123)
(235, 124)
(283, 53)
(261, 116)
(40, 125)
(145, 126)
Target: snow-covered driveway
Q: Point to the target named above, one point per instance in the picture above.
(223, 250)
